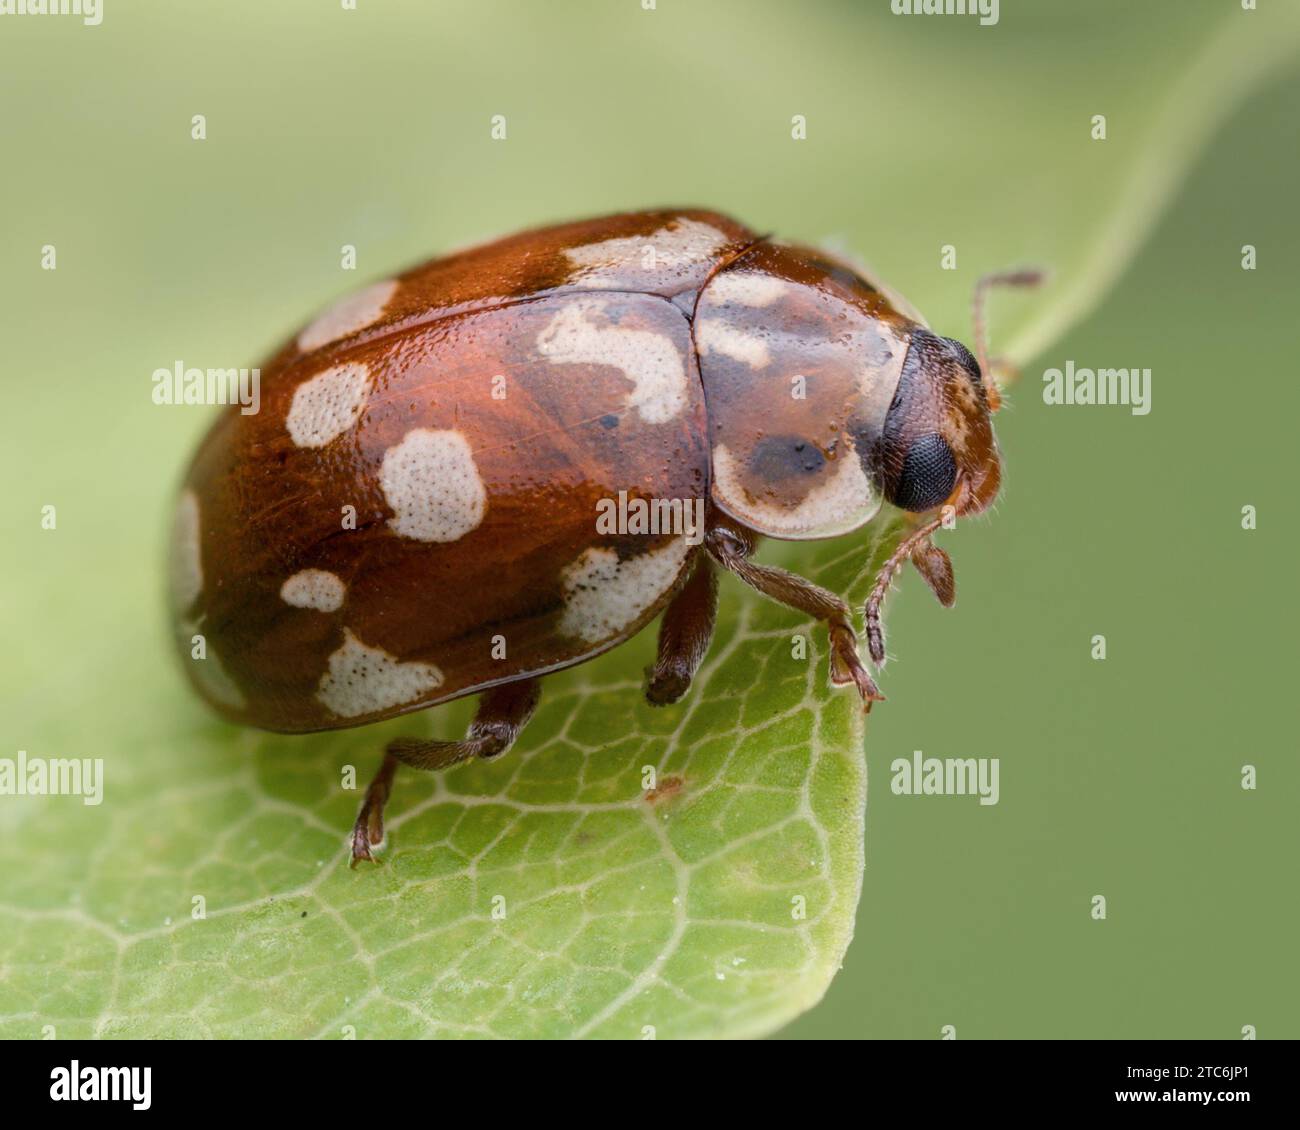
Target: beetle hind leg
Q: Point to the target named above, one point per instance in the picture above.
(502, 712)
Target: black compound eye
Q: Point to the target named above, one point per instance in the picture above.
(929, 473)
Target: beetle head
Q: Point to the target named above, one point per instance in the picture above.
(937, 444)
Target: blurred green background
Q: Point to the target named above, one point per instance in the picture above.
(371, 127)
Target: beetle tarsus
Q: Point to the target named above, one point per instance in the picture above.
(847, 668)
(502, 712)
(368, 831)
(663, 688)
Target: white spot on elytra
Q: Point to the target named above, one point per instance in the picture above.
(717, 335)
(842, 503)
(365, 680)
(186, 565)
(328, 404)
(431, 482)
(626, 261)
(604, 596)
(347, 316)
(745, 288)
(649, 360)
(314, 588)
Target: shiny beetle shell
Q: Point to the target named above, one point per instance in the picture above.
(410, 517)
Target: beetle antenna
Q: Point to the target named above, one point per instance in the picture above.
(1027, 277)
(885, 578)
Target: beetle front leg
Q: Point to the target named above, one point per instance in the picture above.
(731, 549)
(502, 712)
(684, 635)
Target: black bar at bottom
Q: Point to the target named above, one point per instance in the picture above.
(376, 1081)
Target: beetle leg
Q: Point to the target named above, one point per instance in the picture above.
(502, 713)
(935, 566)
(684, 635)
(932, 563)
(731, 549)
(368, 830)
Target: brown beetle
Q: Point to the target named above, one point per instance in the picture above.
(413, 514)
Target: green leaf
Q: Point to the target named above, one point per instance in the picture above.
(545, 893)
(719, 904)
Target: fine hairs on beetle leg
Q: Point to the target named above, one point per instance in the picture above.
(918, 539)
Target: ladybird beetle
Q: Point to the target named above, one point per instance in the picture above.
(410, 517)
